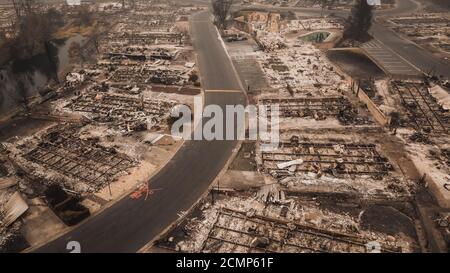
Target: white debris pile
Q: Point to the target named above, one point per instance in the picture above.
(271, 42)
(130, 145)
(441, 95)
(254, 216)
(271, 193)
(390, 187)
(310, 122)
(199, 229)
(74, 77)
(290, 164)
(109, 6)
(303, 69)
(313, 24)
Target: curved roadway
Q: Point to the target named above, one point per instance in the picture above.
(420, 58)
(130, 224)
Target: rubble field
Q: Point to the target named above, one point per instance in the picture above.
(270, 220)
(302, 71)
(430, 30)
(126, 112)
(333, 160)
(106, 128)
(83, 160)
(316, 108)
(340, 5)
(336, 181)
(425, 112)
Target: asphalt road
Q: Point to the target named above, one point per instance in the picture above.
(130, 224)
(420, 58)
(389, 61)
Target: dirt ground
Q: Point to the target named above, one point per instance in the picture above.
(245, 159)
(354, 64)
(21, 127)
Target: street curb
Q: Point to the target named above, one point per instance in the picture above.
(395, 53)
(149, 245)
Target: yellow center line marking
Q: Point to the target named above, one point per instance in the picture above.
(223, 91)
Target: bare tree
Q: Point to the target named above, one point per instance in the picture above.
(22, 93)
(77, 52)
(33, 28)
(24, 7)
(221, 9)
(85, 16)
(95, 37)
(29, 6)
(35, 31)
(325, 4)
(17, 8)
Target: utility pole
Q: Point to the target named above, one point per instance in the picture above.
(109, 187)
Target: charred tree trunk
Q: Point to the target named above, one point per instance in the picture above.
(359, 22)
(221, 9)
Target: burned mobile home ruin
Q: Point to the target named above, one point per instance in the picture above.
(359, 158)
(361, 161)
(103, 129)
